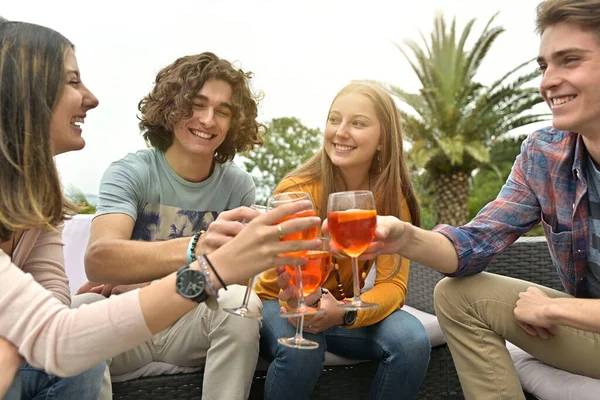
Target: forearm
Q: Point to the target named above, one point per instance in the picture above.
(581, 314)
(431, 249)
(119, 261)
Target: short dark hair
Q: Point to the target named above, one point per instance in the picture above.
(177, 84)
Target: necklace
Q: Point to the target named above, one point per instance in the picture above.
(340, 287)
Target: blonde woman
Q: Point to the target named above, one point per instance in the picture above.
(362, 150)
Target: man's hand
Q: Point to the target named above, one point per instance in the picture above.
(107, 290)
(10, 360)
(531, 313)
(388, 238)
(317, 323)
(227, 225)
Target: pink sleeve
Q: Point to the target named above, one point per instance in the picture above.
(61, 340)
(46, 262)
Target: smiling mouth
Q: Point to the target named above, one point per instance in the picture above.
(201, 134)
(343, 149)
(76, 121)
(558, 101)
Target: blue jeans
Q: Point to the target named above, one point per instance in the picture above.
(399, 342)
(36, 384)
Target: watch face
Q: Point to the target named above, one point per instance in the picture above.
(190, 283)
(350, 317)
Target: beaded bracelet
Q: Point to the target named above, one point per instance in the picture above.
(214, 271)
(191, 251)
(204, 269)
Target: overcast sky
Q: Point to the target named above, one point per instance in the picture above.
(301, 52)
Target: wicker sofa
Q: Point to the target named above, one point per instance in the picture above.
(527, 259)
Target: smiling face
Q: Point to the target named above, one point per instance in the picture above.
(203, 132)
(70, 112)
(570, 60)
(353, 132)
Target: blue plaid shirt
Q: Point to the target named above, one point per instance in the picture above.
(546, 184)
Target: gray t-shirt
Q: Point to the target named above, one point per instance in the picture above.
(164, 205)
(593, 274)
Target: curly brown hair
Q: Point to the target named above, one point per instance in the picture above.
(177, 84)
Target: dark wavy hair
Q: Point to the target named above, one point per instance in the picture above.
(170, 101)
(32, 79)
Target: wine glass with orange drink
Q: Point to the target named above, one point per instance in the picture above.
(307, 234)
(243, 310)
(352, 218)
(314, 274)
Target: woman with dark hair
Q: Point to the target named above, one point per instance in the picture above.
(42, 104)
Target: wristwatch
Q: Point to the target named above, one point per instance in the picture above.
(350, 317)
(190, 284)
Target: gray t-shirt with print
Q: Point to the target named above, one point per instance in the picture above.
(164, 205)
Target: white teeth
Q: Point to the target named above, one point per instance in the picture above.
(562, 100)
(77, 120)
(201, 134)
(343, 148)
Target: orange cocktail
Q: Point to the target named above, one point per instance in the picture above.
(314, 272)
(352, 230)
(306, 234)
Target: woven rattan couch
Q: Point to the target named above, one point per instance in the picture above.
(527, 259)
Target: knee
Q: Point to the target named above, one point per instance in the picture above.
(301, 360)
(234, 295)
(413, 339)
(445, 292)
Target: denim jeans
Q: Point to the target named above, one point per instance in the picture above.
(399, 342)
(33, 383)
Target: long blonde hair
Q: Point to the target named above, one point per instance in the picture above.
(32, 78)
(388, 171)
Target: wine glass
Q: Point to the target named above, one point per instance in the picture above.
(314, 274)
(307, 234)
(352, 218)
(243, 311)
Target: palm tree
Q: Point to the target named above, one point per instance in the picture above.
(457, 117)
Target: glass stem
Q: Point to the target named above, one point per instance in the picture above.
(299, 327)
(355, 280)
(247, 293)
(301, 299)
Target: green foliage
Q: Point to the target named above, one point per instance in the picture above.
(287, 144)
(456, 116)
(77, 197)
(455, 119)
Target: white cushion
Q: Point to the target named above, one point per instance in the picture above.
(75, 237)
(430, 322)
(548, 383)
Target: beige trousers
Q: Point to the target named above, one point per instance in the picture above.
(225, 344)
(476, 315)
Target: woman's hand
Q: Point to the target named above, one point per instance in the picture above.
(10, 360)
(258, 246)
(388, 238)
(317, 323)
(289, 291)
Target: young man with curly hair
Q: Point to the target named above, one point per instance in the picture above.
(156, 204)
